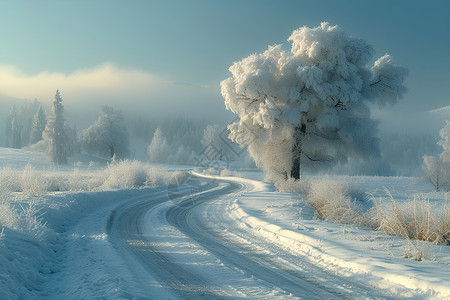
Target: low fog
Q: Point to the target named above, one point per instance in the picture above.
(147, 102)
(135, 92)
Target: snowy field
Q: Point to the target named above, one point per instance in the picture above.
(128, 230)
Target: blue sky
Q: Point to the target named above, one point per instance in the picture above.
(186, 47)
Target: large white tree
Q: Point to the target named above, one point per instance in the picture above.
(56, 134)
(108, 136)
(308, 107)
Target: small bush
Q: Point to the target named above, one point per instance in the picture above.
(9, 181)
(58, 183)
(331, 201)
(33, 183)
(158, 177)
(127, 174)
(293, 186)
(8, 216)
(79, 182)
(418, 221)
(415, 220)
(124, 174)
(27, 219)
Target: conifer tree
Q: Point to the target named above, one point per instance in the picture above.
(38, 126)
(55, 135)
(16, 130)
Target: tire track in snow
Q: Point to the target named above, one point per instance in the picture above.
(204, 222)
(126, 228)
(192, 221)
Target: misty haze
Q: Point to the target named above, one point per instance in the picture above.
(226, 149)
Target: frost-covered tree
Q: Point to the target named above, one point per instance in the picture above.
(404, 151)
(437, 169)
(38, 126)
(108, 136)
(158, 150)
(445, 142)
(211, 137)
(16, 134)
(309, 107)
(8, 126)
(55, 136)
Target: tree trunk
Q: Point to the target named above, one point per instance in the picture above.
(297, 152)
(295, 171)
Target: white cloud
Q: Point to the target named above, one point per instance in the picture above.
(105, 80)
(133, 91)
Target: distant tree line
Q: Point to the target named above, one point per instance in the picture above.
(169, 140)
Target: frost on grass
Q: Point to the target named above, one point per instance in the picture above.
(25, 216)
(420, 222)
(332, 201)
(9, 181)
(127, 174)
(32, 182)
(123, 174)
(27, 243)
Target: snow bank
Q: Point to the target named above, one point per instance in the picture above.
(361, 254)
(27, 262)
(37, 211)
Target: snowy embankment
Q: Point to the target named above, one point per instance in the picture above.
(53, 240)
(63, 260)
(373, 257)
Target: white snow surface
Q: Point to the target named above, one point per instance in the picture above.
(361, 253)
(228, 235)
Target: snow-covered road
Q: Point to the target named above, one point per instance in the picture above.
(192, 246)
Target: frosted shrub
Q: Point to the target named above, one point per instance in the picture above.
(78, 182)
(331, 201)
(57, 183)
(125, 174)
(292, 186)
(9, 180)
(415, 220)
(157, 177)
(8, 217)
(27, 219)
(30, 220)
(33, 183)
